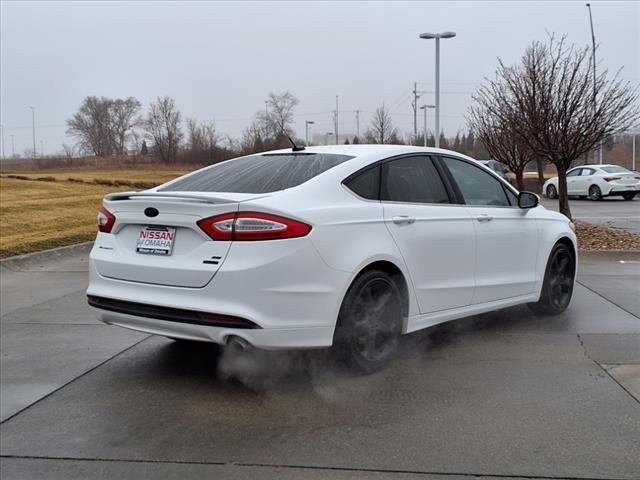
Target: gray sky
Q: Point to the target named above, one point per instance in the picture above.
(219, 60)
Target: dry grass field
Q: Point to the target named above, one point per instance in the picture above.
(37, 215)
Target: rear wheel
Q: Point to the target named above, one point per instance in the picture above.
(369, 323)
(552, 192)
(628, 196)
(595, 193)
(557, 287)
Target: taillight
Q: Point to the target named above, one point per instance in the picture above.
(245, 226)
(611, 179)
(105, 220)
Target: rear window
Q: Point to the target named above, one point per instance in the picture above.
(615, 169)
(258, 173)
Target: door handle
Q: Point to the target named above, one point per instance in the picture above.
(483, 217)
(400, 219)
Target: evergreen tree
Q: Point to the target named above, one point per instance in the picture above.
(355, 140)
(346, 142)
(144, 150)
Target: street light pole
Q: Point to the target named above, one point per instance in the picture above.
(306, 126)
(425, 107)
(593, 55)
(13, 148)
(33, 128)
(437, 37)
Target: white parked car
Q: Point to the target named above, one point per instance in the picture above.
(596, 182)
(345, 246)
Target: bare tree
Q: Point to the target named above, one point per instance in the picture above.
(382, 129)
(490, 118)
(552, 92)
(123, 119)
(202, 140)
(164, 126)
(103, 126)
(91, 126)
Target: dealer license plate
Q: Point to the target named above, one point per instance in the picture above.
(156, 240)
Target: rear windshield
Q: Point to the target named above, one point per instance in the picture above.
(615, 169)
(258, 173)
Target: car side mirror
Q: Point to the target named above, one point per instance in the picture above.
(528, 200)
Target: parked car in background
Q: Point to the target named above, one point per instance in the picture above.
(345, 246)
(499, 168)
(597, 182)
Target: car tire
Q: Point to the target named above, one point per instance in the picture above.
(557, 287)
(369, 324)
(552, 192)
(628, 196)
(595, 193)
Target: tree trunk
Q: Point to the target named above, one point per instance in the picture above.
(540, 165)
(563, 197)
(520, 179)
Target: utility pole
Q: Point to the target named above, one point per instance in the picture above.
(336, 119)
(2, 132)
(33, 128)
(415, 112)
(633, 152)
(595, 105)
(13, 148)
(306, 124)
(358, 124)
(41, 148)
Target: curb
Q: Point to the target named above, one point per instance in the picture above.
(20, 262)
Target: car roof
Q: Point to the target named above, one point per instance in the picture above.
(360, 150)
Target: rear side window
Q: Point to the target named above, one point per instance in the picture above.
(477, 186)
(258, 173)
(366, 184)
(412, 179)
(615, 169)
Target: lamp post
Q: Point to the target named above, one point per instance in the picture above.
(425, 107)
(306, 126)
(593, 56)
(33, 128)
(437, 36)
(326, 137)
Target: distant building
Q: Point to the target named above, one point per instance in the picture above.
(329, 138)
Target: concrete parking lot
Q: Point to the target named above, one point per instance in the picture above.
(610, 212)
(503, 395)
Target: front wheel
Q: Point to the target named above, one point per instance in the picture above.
(557, 287)
(628, 196)
(369, 323)
(595, 193)
(552, 192)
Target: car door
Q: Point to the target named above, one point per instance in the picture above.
(584, 181)
(506, 235)
(436, 238)
(573, 181)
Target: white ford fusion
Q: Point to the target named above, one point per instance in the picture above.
(345, 246)
(596, 182)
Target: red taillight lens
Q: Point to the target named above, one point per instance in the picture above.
(611, 179)
(245, 226)
(105, 220)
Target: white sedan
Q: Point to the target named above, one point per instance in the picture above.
(345, 246)
(596, 182)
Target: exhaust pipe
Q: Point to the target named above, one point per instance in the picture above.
(238, 343)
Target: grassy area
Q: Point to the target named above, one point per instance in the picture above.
(37, 215)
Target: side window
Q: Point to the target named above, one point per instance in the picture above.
(574, 173)
(366, 184)
(513, 199)
(477, 187)
(412, 179)
(587, 171)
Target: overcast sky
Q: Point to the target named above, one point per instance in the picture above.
(219, 60)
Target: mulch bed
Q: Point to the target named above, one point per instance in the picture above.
(597, 237)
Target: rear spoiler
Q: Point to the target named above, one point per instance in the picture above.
(160, 195)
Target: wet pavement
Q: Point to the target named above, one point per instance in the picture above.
(505, 394)
(614, 212)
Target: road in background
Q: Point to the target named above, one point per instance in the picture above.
(505, 393)
(611, 212)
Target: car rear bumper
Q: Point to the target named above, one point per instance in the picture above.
(272, 338)
(283, 290)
